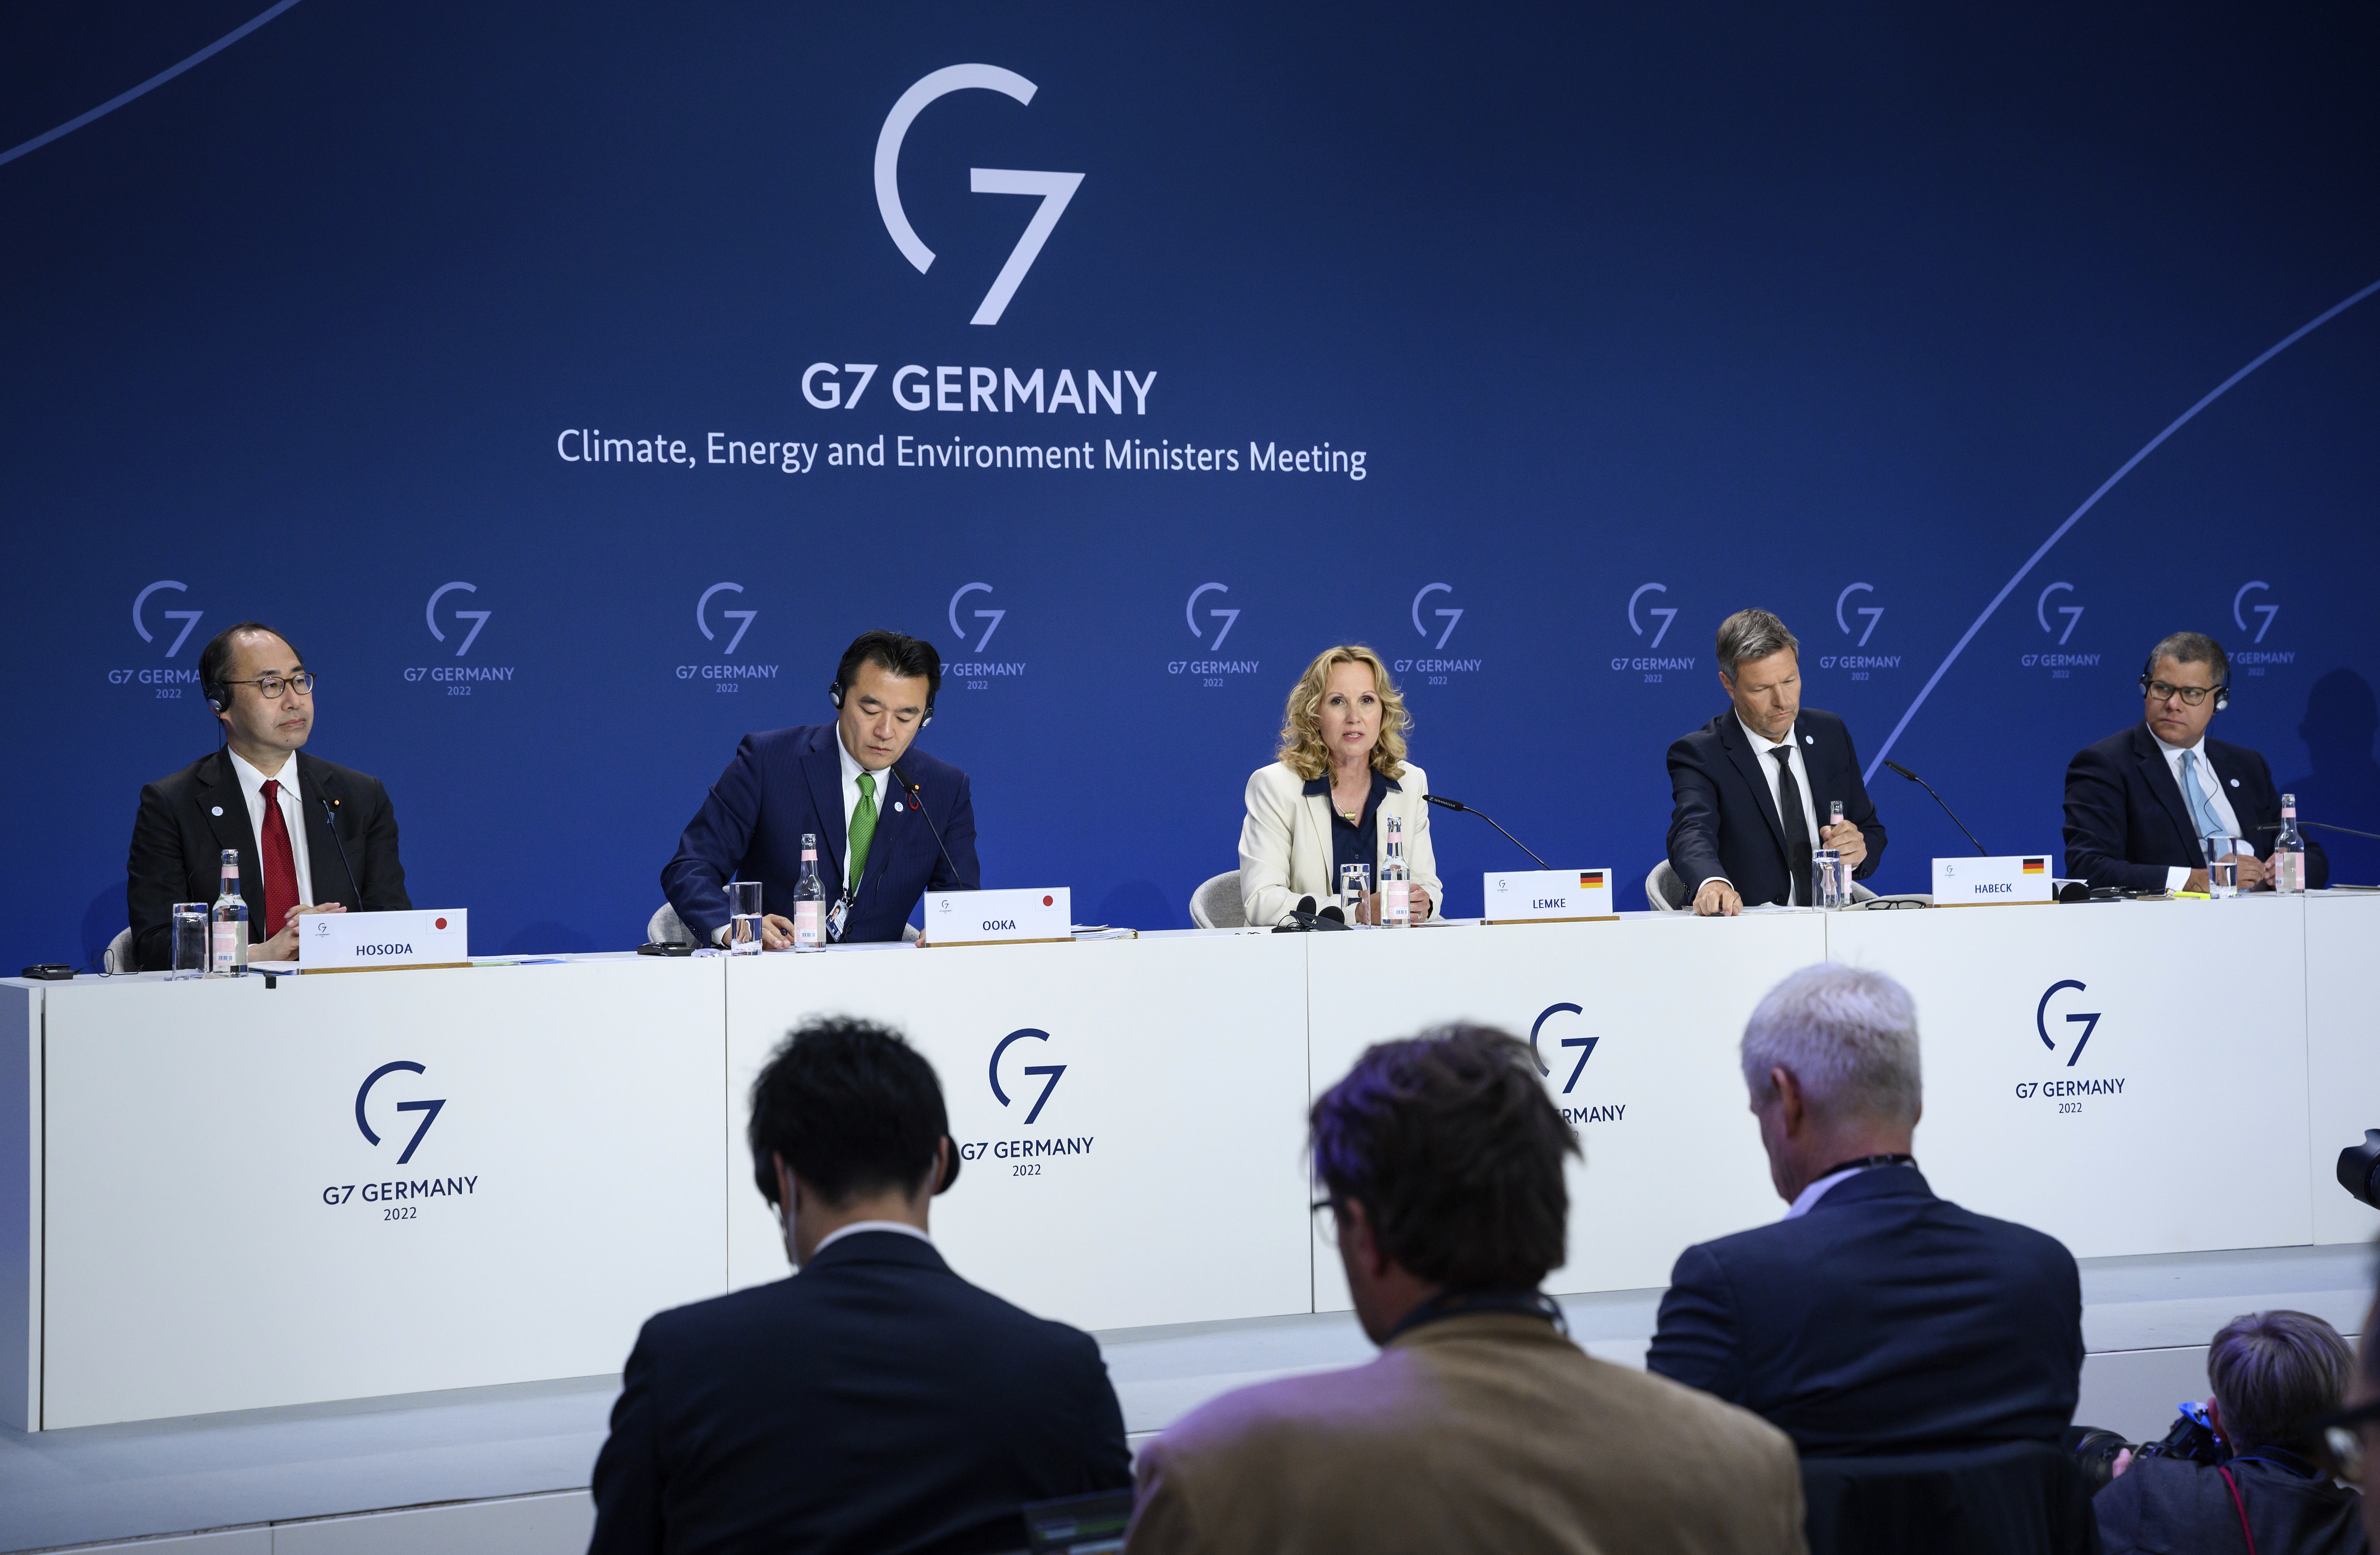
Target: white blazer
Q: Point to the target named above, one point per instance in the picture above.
(1285, 843)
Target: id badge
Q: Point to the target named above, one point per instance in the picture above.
(834, 921)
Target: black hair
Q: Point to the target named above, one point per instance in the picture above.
(852, 1109)
(1452, 1146)
(905, 656)
(2192, 648)
(214, 659)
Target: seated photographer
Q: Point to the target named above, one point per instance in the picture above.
(2272, 1376)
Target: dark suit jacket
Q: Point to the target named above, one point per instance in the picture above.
(2126, 823)
(1722, 820)
(873, 1404)
(186, 821)
(1884, 1320)
(786, 781)
(2163, 1504)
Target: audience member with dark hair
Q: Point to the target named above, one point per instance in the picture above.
(1875, 1318)
(875, 1402)
(2361, 1416)
(2271, 1377)
(1480, 1425)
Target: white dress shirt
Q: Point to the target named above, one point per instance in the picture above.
(1808, 1198)
(1761, 746)
(2209, 785)
(293, 815)
(855, 1227)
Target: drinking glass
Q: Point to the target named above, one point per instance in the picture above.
(1829, 883)
(1354, 884)
(2222, 877)
(190, 941)
(744, 917)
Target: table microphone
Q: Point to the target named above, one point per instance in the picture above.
(918, 800)
(331, 824)
(1442, 802)
(1938, 799)
(2323, 826)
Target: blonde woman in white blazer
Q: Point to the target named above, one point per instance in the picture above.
(1342, 772)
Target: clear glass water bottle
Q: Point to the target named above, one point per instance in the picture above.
(2288, 849)
(809, 900)
(1396, 884)
(228, 927)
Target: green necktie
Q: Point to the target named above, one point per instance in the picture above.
(863, 828)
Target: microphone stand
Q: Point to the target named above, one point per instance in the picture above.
(1961, 825)
(1444, 803)
(918, 799)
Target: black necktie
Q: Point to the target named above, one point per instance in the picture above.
(1797, 830)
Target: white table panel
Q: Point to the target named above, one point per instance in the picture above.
(1673, 1155)
(2342, 1051)
(1185, 1060)
(2201, 1014)
(194, 1130)
(20, 1205)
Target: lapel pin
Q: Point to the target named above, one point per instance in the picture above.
(218, 809)
(2235, 782)
(896, 807)
(1809, 739)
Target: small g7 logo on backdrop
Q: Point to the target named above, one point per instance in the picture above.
(994, 616)
(2267, 610)
(1667, 613)
(2089, 1023)
(1052, 1070)
(1055, 189)
(1190, 613)
(743, 618)
(428, 1109)
(188, 618)
(1586, 1045)
(2073, 613)
(1874, 612)
(1452, 617)
(477, 618)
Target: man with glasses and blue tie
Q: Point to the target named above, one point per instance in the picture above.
(313, 836)
(2139, 804)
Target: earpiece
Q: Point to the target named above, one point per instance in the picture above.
(217, 694)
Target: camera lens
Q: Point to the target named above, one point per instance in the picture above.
(2359, 1168)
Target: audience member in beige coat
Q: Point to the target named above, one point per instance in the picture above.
(1480, 1425)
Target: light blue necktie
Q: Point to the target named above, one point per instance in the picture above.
(2193, 793)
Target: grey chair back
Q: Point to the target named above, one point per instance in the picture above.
(665, 928)
(1217, 904)
(118, 956)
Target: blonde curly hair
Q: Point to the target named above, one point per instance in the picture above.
(1301, 737)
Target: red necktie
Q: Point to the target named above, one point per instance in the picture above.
(280, 864)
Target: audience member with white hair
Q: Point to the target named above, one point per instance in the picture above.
(2273, 1377)
(1875, 1318)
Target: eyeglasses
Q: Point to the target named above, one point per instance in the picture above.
(2192, 696)
(1326, 1222)
(269, 686)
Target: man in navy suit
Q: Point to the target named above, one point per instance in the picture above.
(873, 802)
(1751, 788)
(1875, 1318)
(874, 1403)
(2138, 802)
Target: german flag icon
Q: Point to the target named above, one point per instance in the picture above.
(1591, 879)
(2037, 866)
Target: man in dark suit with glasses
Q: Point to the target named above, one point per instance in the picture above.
(2139, 802)
(313, 836)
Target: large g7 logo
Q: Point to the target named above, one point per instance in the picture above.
(1055, 189)
(1052, 1070)
(188, 618)
(743, 618)
(430, 1109)
(1452, 617)
(994, 616)
(2090, 1022)
(1190, 613)
(477, 618)
(1665, 612)
(1586, 1045)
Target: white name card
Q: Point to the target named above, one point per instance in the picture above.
(1543, 895)
(352, 941)
(1963, 882)
(994, 917)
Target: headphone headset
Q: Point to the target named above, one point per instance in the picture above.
(2222, 692)
(834, 695)
(217, 694)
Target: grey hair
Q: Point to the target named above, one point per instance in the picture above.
(1753, 634)
(2274, 1373)
(1849, 1037)
(2194, 647)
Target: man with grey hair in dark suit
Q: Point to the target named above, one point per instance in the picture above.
(1875, 1318)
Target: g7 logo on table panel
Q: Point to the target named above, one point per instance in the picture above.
(1024, 1154)
(399, 1199)
(170, 682)
(1604, 1112)
(2066, 1092)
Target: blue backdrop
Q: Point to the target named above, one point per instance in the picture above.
(1634, 315)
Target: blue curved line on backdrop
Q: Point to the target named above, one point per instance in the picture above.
(152, 84)
(2108, 485)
